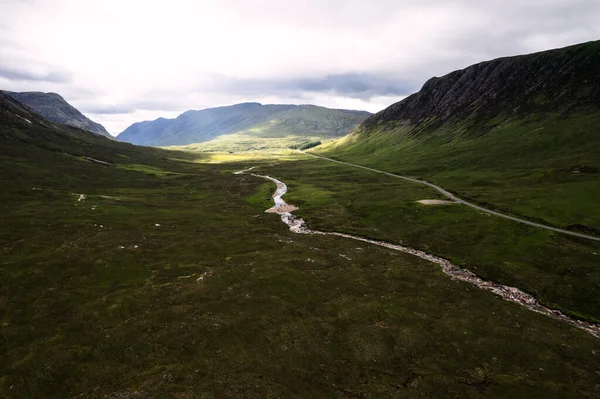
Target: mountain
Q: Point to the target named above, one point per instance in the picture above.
(135, 272)
(552, 81)
(54, 108)
(13, 111)
(249, 119)
(521, 134)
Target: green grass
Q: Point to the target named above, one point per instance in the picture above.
(101, 297)
(543, 167)
(247, 142)
(558, 270)
(146, 169)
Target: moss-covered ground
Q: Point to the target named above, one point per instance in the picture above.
(167, 280)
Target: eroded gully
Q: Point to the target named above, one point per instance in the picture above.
(511, 294)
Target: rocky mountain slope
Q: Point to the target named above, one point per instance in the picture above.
(253, 119)
(54, 108)
(521, 134)
(562, 80)
(13, 111)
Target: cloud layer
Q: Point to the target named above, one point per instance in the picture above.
(121, 61)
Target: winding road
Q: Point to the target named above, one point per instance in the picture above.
(459, 200)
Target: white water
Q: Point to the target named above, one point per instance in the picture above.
(281, 189)
(280, 206)
(511, 294)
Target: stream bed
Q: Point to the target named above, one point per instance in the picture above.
(511, 294)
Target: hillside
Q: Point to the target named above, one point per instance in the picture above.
(520, 134)
(134, 272)
(563, 81)
(54, 108)
(249, 119)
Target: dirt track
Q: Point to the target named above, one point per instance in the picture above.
(461, 201)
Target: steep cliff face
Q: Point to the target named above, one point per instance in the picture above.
(562, 80)
(54, 108)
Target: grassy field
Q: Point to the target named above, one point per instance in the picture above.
(167, 280)
(561, 271)
(544, 167)
(247, 142)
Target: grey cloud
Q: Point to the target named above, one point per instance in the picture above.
(479, 31)
(130, 107)
(363, 86)
(25, 75)
(16, 65)
(501, 28)
(507, 28)
(107, 109)
(354, 85)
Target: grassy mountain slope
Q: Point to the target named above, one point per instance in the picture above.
(520, 134)
(101, 294)
(54, 108)
(248, 119)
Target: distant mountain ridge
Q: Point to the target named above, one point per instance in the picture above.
(56, 109)
(255, 119)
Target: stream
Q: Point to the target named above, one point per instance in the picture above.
(511, 294)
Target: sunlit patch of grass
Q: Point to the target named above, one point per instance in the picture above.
(151, 170)
(250, 142)
(249, 156)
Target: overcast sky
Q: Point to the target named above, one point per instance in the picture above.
(123, 61)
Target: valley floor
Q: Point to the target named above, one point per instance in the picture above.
(512, 294)
(455, 199)
(164, 277)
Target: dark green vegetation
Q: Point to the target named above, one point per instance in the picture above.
(54, 108)
(305, 145)
(519, 134)
(101, 297)
(541, 169)
(248, 143)
(249, 121)
(559, 270)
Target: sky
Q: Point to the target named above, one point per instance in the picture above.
(124, 61)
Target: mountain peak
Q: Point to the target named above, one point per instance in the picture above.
(549, 81)
(55, 108)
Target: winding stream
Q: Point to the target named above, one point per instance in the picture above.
(511, 294)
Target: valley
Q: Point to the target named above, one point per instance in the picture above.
(512, 294)
(133, 291)
(554, 268)
(448, 246)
